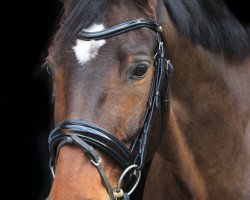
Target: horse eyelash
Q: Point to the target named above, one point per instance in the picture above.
(46, 65)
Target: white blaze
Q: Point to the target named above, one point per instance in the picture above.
(87, 50)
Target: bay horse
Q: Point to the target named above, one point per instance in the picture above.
(130, 126)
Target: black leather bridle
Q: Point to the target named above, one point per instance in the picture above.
(88, 136)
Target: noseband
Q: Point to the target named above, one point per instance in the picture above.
(88, 136)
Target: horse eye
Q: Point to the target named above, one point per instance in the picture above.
(48, 67)
(139, 71)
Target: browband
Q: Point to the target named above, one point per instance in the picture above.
(119, 29)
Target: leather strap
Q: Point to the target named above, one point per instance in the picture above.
(119, 29)
(71, 138)
(93, 135)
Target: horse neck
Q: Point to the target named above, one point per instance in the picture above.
(209, 126)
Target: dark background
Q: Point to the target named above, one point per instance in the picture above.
(25, 115)
(25, 99)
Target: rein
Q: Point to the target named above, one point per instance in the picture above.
(87, 135)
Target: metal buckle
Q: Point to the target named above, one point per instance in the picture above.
(96, 163)
(169, 67)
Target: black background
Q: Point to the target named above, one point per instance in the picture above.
(25, 113)
(26, 30)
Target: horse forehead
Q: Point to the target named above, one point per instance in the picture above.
(86, 51)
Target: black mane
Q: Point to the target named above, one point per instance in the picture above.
(207, 22)
(211, 24)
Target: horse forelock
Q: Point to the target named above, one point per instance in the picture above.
(80, 15)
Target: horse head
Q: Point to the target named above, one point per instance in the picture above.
(110, 78)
